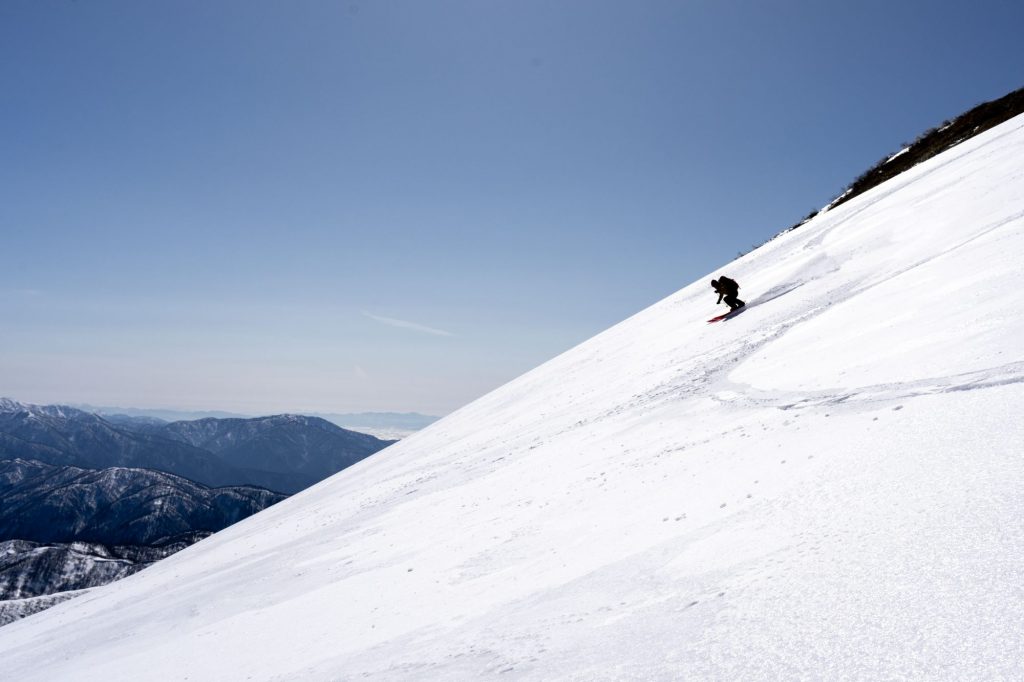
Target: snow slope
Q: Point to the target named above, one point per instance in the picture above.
(828, 486)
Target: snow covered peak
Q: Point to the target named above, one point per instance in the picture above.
(8, 405)
(825, 486)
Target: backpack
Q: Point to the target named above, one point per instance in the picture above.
(729, 286)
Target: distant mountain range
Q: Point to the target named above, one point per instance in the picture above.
(385, 425)
(67, 528)
(116, 506)
(285, 453)
(308, 448)
(64, 435)
(162, 415)
(87, 499)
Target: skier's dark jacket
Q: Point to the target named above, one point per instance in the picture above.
(726, 287)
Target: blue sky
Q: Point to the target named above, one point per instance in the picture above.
(345, 206)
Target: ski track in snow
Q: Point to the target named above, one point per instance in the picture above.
(826, 487)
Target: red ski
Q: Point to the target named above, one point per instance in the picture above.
(727, 316)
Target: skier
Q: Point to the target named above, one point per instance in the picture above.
(727, 289)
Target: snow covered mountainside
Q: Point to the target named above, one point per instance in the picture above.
(827, 486)
(65, 528)
(47, 503)
(13, 609)
(31, 569)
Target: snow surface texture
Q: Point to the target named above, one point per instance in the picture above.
(825, 487)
